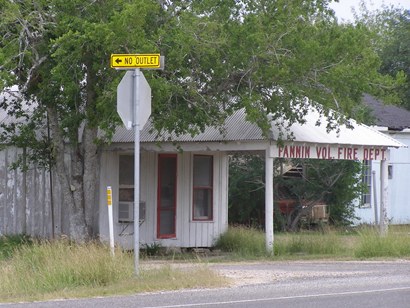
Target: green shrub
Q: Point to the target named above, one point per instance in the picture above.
(9, 243)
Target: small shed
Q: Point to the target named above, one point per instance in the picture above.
(184, 179)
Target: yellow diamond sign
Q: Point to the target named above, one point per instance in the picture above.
(151, 60)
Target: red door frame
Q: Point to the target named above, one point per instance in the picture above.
(173, 208)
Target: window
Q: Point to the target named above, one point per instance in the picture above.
(367, 184)
(167, 196)
(126, 191)
(202, 187)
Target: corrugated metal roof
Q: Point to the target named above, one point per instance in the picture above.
(237, 128)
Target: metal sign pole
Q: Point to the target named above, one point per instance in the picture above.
(136, 77)
(133, 115)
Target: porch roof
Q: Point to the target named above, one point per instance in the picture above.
(237, 128)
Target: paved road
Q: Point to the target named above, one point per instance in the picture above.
(279, 284)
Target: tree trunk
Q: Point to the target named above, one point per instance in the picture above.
(90, 148)
(90, 177)
(71, 182)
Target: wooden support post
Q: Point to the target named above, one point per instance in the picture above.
(383, 197)
(269, 199)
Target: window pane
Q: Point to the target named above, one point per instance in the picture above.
(367, 183)
(203, 171)
(202, 204)
(126, 170)
(167, 175)
(167, 225)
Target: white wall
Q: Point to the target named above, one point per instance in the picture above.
(188, 233)
(398, 210)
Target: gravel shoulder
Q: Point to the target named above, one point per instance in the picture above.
(262, 272)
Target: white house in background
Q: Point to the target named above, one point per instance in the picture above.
(394, 122)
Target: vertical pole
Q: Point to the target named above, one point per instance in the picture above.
(136, 125)
(383, 196)
(269, 199)
(110, 219)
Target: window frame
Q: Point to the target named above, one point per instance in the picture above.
(129, 186)
(173, 208)
(367, 179)
(209, 188)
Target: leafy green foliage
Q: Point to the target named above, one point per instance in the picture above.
(246, 190)
(291, 51)
(265, 56)
(395, 54)
(335, 183)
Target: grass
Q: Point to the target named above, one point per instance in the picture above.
(359, 243)
(41, 270)
(9, 243)
(396, 244)
(45, 270)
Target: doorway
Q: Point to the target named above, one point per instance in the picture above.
(166, 200)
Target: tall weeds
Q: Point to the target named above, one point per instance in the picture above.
(47, 267)
(371, 245)
(44, 270)
(365, 243)
(243, 242)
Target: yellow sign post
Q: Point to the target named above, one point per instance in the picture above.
(110, 219)
(129, 61)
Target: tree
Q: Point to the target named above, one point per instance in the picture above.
(334, 183)
(264, 56)
(246, 190)
(391, 28)
(395, 52)
(56, 52)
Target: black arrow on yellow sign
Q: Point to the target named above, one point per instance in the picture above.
(128, 61)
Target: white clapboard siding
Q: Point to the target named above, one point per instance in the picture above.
(188, 233)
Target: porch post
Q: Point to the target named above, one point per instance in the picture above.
(269, 199)
(383, 196)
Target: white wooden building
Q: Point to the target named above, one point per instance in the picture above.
(394, 122)
(184, 180)
(184, 193)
